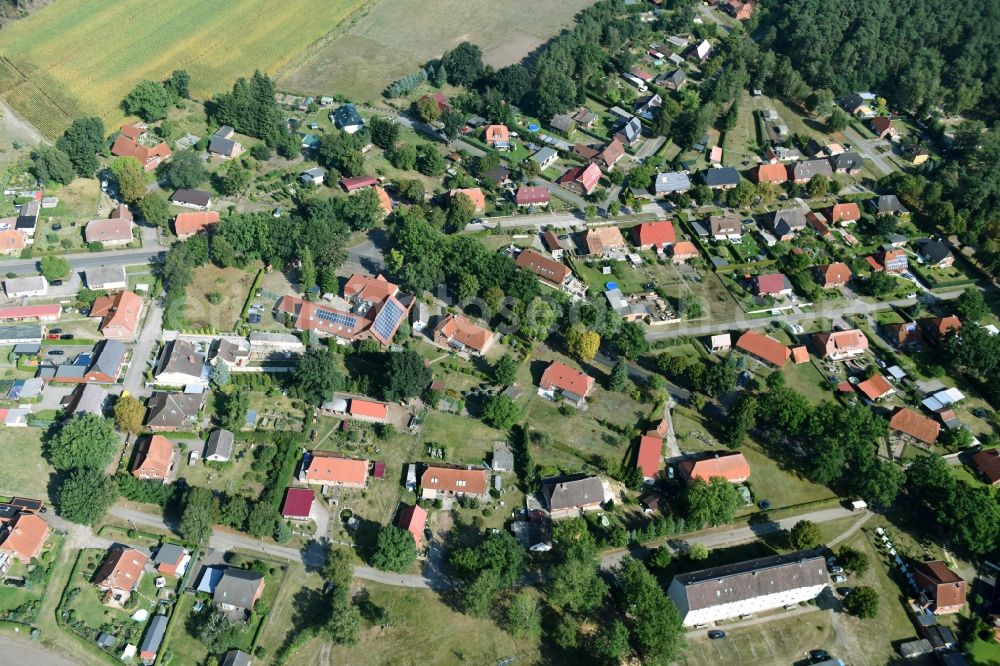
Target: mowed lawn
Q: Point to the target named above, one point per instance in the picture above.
(231, 285)
(23, 470)
(397, 36)
(88, 55)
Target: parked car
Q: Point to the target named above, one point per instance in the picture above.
(839, 578)
(716, 633)
(55, 330)
(56, 352)
(67, 336)
(837, 570)
(844, 591)
(819, 655)
(52, 336)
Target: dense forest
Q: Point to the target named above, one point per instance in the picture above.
(924, 53)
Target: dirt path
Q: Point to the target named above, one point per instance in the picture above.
(16, 134)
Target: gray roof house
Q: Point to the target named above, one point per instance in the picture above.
(567, 496)
(191, 198)
(670, 182)
(87, 399)
(631, 132)
(173, 411)
(235, 658)
(805, 170)
(219, 446)
(238, 589)
(673, 80)
(315, 175)
(180, 365)
(888, 204)
(785, 223)
(15, 334)
(168, 553)
(749, 587)
(347, 118)
(222, 143)
(153, 639)
(563, 123)
(503, 458)
(934, 252)
(849, 162)
(107, 362)
(724, 178)
(105, 277)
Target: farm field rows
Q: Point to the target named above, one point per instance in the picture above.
(395, 38)
(69, 59)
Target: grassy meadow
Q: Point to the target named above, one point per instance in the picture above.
(77, 58)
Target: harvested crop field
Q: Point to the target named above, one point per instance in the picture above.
(397, 36)
(81, 58)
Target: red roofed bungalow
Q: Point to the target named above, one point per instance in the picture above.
(334, 469)
(655, 235)
(876, 388)
(358, 183)
(298, 503)
(770, 173)
(574, 386)
(188, 224)
(47, 312)
(845, 213)
(917, 426)
(368, 410)
(731, 466)
(764, 348)
(532, 195)
(683, 251)
(649, 459)
(413, 519)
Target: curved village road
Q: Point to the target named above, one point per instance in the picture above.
(435, 579)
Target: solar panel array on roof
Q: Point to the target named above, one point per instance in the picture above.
(388, 319)
(337, 318)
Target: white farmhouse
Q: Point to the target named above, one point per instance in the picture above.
(750, 587)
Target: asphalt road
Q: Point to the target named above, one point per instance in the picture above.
(79, 262)
(868, 150)
(142, 351)
(741, 322)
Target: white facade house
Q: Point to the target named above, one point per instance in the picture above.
(745, 588)
(24, 287)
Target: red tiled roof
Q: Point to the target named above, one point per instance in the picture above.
(771, 173)
(909, 422)
(685, 249)
(544, 267)
(602, 239)
(122, 211)
(836, 273)
(358, 182)
(134, 130)
(496, 133)
(833, 343)
(800, 354)
(465, 331)
(335, 468)
(660, 233)
(475, 195)
(368, 408)
(763, 347)
(120, 313)
(732, 467)
(845, 212)
(154, 458)
(192, 223)
(454, 479)
(532, 194)
(24, 537)
(565, 378)
(413, 519)
(649, 458)
(121, 569)
(11, 240)
(881, 123)
(948, 589)
(988, 464)
(369, 289)
(384, 201)
(941, 325)
(47, 311)
(612, 152)
(875, 387)
(772, 283)
(298, 502)
(587, 176)
(113, 229)
(148, 157)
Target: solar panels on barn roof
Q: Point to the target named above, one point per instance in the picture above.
(388, 319)
(337, 318)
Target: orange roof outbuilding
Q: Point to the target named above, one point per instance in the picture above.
(917, 426)
(413, 519)
(187, 224)
(765, 348)
(368, 409)
(649, 458)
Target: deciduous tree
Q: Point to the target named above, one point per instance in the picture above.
(395, 549)
(85, 495)
(130, 177)
(129, 413)
(85, 440)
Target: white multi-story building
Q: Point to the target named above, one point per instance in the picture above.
(750, 587)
